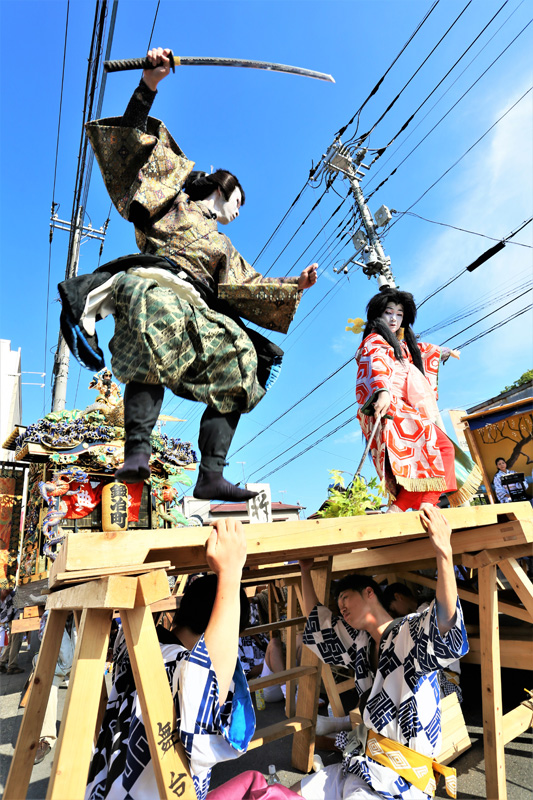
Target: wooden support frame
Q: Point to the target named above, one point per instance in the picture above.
(374, 543)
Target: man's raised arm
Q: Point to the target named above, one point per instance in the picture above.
(439, 531)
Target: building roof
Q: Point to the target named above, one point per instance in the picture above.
(233, 507)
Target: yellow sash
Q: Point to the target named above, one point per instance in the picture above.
(411, 766)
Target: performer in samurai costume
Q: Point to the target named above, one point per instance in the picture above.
(397, 377)
(177, 305)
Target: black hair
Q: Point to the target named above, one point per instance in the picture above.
(197, 603)
(376, 307)
(356, 583)
(200, 185)
(500, 458)
(395, 588)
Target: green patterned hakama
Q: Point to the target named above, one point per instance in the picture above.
(198, 353)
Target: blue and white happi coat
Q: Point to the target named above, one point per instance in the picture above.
(403, 703)
(121, 766)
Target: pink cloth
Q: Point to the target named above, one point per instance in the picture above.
(250, 785)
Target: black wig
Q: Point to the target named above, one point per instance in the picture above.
(374, 310)
(200, 185)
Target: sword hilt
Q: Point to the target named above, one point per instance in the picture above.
(124, 64)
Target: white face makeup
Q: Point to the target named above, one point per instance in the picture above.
(227, 210)
(393, 316)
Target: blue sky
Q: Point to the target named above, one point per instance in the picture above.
(269, 129)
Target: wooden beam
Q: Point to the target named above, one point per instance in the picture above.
(517, 721)
(519, 582)
(496, 555)
(159, 713)
(87, 574)
(76, 735)
(152, 587)
(273, 542)
(472, 597)
(278, 730)
(491, 687)
(514, 653)
(303, 743)
(290, 654)
(277, 678)
(115, 591)
(274, 626)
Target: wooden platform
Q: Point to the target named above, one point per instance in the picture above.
(97, 572)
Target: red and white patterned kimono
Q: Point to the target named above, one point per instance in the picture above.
(406, 450)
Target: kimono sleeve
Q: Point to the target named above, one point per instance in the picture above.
(375, 369)
(433, 650)
(330, 638)
(208, 732)
(431, 359)
(143, 172)
(269, 302)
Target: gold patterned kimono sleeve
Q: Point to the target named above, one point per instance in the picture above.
(140, 170)
(269, 302)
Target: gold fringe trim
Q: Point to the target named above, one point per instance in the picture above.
(421, 484)
(468, 489)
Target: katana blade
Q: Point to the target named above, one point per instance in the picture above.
(207, 61)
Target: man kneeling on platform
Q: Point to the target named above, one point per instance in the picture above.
(215, 717)
(396, 665)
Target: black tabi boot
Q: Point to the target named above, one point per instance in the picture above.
(142, 404)
(214, 440)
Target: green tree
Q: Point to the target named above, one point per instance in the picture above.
(354, 500)
(525, 378)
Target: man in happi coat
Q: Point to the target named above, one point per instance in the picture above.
(396, 664)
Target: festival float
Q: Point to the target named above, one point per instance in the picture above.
(72, 457)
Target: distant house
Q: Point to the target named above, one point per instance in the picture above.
(210, 511)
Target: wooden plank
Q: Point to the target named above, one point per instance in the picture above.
(78, 725)
(271, 542)
(515, 532)
(22, 625)
(290, 656)
(517, 721)
(278, 730)
(33, 611)
(277, 678)
(468, 594)
(303, 743)
(170, 603)
(491, 687)
(496, 555)
(30, 730)
(274, 626)
(455, 737)
(514, 653)
(115, 591)
(159, 714)
(151, 587)
(88, 574)
(519, 582)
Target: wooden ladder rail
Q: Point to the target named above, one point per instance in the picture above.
(96, 600)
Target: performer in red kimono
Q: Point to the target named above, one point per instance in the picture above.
(397, 377)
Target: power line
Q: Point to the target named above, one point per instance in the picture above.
(479, 320)
(342, 130)
(469, 268)
(303, 438)
(311, 446)
(461, 157)
(293, 406)
(375, 174)
(495, 327)
(455, 228)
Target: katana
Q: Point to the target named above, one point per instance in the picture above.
(207, 61)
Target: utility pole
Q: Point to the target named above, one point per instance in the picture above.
(366, 241)
(62, 356)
